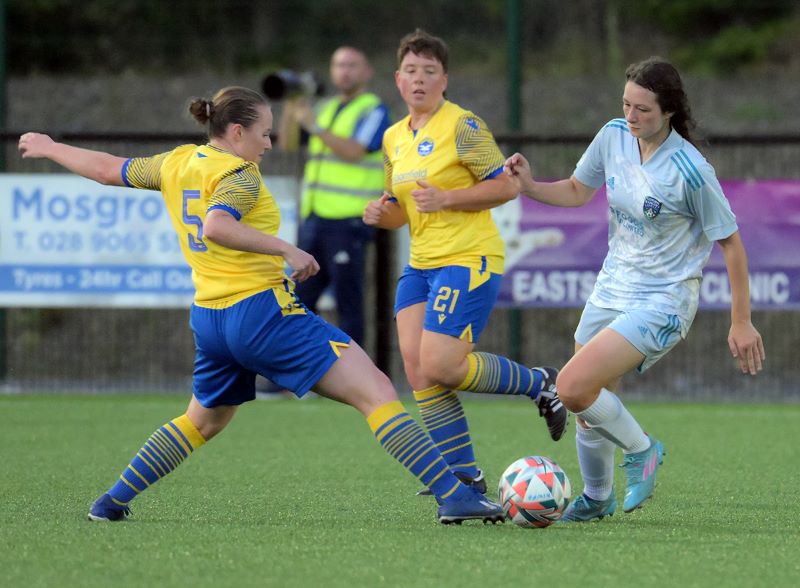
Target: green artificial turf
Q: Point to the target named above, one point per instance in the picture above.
(298, 493)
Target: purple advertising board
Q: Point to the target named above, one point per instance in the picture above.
(553, 254)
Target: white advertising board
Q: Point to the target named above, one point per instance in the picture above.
(69, 242)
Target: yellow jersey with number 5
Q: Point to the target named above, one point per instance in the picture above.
(194, 180)
(453, 150)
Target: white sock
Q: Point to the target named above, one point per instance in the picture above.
(613, 421)
(596, 459)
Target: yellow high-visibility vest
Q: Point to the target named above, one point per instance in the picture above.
(332, 187)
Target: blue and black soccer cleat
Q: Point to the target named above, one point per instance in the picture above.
(550, 406)
(478, 482)
(105, 509)
(640, 473)
(585, 509)
(471, 506)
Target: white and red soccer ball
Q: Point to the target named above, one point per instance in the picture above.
(534, 491)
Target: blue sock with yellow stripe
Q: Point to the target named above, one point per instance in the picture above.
(163, 452)
(444, 418)
(408, 443)
(495, 374)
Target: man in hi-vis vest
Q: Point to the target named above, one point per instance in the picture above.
(344, 172)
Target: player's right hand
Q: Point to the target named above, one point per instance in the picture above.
(376, 209)
(34, 145)
(517, 165)
(303, 264)
(747, 347)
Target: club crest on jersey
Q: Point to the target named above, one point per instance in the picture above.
(651, 207)
(425, 148)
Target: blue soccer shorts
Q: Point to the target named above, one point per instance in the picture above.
(653, 333)
(271, 334)
(458, 299)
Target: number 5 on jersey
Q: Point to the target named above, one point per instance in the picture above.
(195, 243)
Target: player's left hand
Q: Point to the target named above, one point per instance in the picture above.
(428, 198)
(747, 347)
(302, 263)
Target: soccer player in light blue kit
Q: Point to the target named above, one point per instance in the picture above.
(666, 211)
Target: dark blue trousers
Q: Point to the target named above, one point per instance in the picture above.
(339, 247)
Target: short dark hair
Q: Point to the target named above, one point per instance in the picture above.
(233, 104)
(662, 79)
(421, 43)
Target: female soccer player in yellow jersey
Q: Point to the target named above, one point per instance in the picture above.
(245, 318)
(443, 175)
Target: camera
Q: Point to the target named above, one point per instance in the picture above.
(292, 84)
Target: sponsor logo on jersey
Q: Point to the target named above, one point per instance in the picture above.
(471, 122)
(610, 183)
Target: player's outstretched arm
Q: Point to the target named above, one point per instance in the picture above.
(565, 193)
(95, 165)
(223, 229)
(744, 340)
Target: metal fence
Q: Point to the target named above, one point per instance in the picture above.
(119, 350)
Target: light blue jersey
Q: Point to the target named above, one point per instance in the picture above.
(664, 217)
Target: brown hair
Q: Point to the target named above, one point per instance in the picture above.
(660, 77)
(421, 43)
(233, 104)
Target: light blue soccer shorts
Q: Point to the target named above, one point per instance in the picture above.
(282, 341)
(458, 299)
(652, 333)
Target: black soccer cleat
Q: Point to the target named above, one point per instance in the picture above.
(549, 404)
(478, 482)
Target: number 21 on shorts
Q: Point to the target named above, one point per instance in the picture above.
(446, 300)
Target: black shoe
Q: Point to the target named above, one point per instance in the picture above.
(478, 482)
(550, 407)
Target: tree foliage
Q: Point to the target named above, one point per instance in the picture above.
(720, 36)
(68, 36)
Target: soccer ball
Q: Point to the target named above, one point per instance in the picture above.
(534, 491)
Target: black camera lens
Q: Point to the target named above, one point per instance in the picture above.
(274, 86)
(290, 84)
